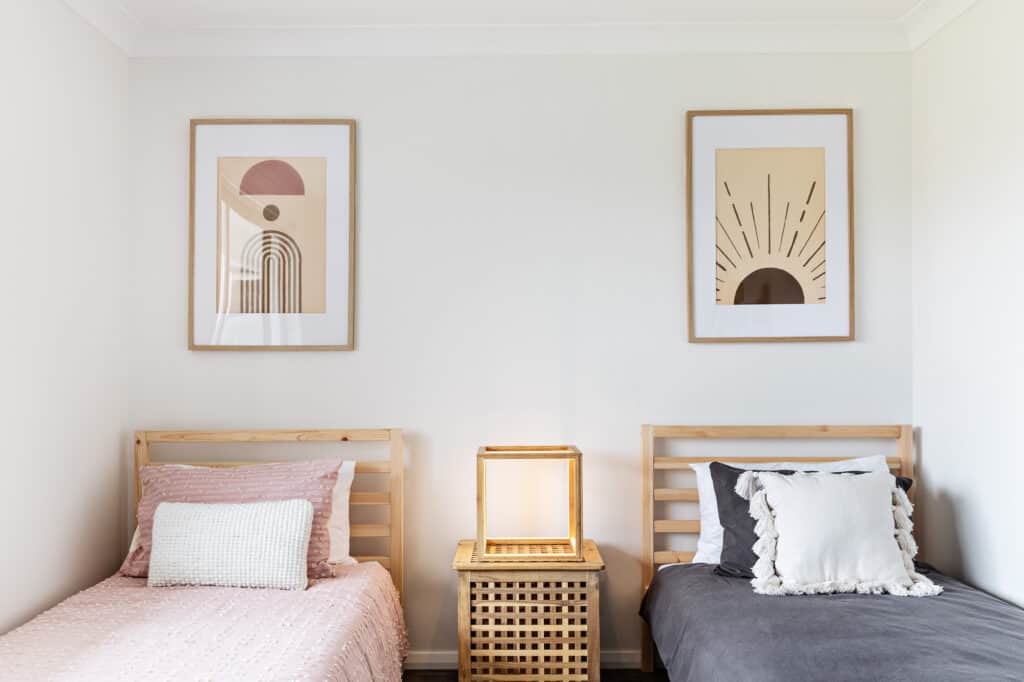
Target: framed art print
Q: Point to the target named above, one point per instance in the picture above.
(770, 225)
(272, 234)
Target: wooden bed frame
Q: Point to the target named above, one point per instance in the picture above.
(902, 462)
(394, 467)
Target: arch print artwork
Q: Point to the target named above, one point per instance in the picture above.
(770, 225)
(272, 234)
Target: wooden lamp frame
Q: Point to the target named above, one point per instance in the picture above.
(521, 549)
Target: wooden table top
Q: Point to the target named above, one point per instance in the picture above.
(465, 560)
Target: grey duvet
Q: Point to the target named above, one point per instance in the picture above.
(709, 627)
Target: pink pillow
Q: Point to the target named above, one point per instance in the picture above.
(313, 480)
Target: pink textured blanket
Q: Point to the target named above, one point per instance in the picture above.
(346, 628)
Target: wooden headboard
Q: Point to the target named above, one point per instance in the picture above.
(902, 463)
(394, 467)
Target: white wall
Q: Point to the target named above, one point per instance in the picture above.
(521, 275)
(520, 279)
(968, 236)
(60, 488)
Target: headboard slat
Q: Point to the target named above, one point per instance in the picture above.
(767, 432)
(662, 463)
(270, 436)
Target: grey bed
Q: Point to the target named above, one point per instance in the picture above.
(709, 627)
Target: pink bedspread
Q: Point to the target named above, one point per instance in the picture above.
(345, 628)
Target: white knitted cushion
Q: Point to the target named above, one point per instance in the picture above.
(252, 544)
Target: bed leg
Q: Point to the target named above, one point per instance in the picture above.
(646, 650)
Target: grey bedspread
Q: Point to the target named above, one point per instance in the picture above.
(709, 627)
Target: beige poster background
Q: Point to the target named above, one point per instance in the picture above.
(770, 226)
(290, 226)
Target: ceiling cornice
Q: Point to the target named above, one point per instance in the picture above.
(928, 17)
(453, 40)
(111, 19)
(137, 40)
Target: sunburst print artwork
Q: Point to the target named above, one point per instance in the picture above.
(770, 217)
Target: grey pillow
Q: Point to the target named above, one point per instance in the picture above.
(738, 536)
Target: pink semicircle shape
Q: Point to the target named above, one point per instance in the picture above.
(272, 177)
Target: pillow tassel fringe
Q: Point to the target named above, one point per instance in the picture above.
(746, 485)
(921, 586)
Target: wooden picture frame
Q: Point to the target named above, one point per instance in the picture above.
(837, 313)
(336, 307)
(901, 463)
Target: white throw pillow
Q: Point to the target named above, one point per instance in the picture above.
(254, 544)
(822, 533)
(709, 542)
(338, 525)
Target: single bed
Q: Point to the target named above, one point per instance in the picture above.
(346, 628)
(710, 627)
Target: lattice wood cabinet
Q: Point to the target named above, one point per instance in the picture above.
(536, 621)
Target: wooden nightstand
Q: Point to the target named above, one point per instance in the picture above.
(529, 621)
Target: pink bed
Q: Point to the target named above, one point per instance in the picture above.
(345, 628)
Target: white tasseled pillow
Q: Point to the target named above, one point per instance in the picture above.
(823, 533)
(252, 544)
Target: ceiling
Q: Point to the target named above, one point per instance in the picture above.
(160, 14)
(368, 27)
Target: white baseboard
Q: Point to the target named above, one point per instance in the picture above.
(432, 660)
(449, 659)
(620, 658)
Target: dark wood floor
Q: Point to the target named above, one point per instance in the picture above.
(606, 676)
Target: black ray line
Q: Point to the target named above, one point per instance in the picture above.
(820, 218)
(719, 279)
(817, 266)
(753, 217)
(769, 213)
(795, 235)
(818, 277)
(802, 214)
(737, 214)
(725, 255)
(748, 244)
(784, 219)
(821, 298)
(728, 237)
(720, 265)
(820, 247)
(811, 193)
(727, 188)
